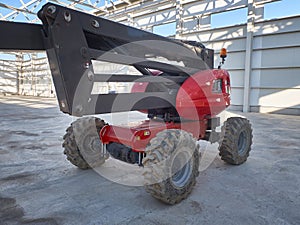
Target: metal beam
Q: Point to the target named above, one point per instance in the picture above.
(16, 9)
(248, 58)
(21, 36)
(179, 20)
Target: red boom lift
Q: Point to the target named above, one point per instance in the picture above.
(174, 83)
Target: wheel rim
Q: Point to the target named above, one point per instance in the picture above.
(93, 144)
(242, 143)
(181, 169)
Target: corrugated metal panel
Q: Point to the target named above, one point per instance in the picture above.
(275, 73)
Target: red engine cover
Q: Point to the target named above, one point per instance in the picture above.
(206, 93)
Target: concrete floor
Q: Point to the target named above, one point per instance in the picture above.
(39, 186)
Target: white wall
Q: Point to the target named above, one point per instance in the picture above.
(274, 59)
(275, 72)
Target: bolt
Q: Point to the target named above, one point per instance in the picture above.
(51, 9)
(67, 16)
(63, 105)
(95, 24)
(86, 65)
(90, 75)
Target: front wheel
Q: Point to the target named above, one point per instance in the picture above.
(236, 140)
(171, 165)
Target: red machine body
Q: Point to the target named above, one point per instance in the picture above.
(199, 99)
(138, 136)
(205, 94)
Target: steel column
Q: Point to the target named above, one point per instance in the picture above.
(248, 57)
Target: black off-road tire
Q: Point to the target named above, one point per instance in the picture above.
(171, 165)
(82, 144)
(236, 140)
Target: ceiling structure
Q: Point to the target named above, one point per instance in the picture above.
(26, 10)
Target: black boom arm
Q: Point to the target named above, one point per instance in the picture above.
(74, 40)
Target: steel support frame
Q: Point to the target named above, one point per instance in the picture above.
(248, 57)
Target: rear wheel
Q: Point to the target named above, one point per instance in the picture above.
(236, 140)
(171, 165)
(82, 144)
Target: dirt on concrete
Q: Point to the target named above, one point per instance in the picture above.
(39, 186)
